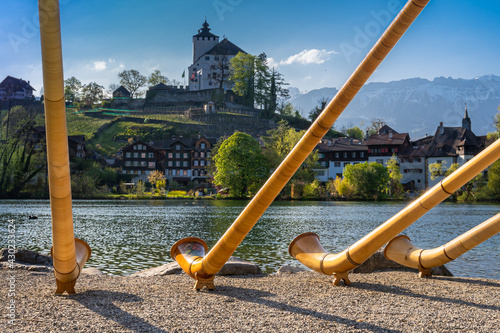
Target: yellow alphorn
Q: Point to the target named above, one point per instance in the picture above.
(402, 251)
(307, 249)
(203, 268)
(69, 254)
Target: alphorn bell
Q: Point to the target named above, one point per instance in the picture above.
(401, 250)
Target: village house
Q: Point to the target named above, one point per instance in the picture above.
(335, 154)
(453, 145)
(14, 88)
(140, 159)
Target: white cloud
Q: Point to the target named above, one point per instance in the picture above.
(99, 65)
(313, 56)
(309, 77)
(272, 63)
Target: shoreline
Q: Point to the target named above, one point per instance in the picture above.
(384, 301)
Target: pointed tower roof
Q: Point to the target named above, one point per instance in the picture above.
(205, 31)
(466, 122)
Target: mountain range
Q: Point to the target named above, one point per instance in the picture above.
(415, 106)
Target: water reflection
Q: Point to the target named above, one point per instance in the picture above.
(128, 236)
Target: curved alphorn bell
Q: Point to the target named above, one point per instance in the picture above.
(401, 250)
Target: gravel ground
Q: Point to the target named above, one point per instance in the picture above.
(392, 301)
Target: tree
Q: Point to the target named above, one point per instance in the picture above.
(156, 78)
(219, 72)
(241, 166)
(355, 133)
(278, 94)
(262, 82)
(21, 158)
(72, 89)
(280, 142)
(243, 75)
(395, 187)
(287, 110)
(92, 93)
(494, 179)
(375, 126)
(316, 111)
(157, 179)
(368, 180)
(132, 80)
(437, 169)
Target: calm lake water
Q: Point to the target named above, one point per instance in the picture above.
(129, 236)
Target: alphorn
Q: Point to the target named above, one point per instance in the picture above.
(203, 268)
(69, 254)
(307, 249)
(401, 250)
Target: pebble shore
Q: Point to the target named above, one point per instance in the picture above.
(390, 301)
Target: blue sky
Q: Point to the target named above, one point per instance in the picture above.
(314, 44)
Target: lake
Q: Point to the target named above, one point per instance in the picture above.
(127, 236)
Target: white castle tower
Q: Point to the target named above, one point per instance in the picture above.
(203, 41)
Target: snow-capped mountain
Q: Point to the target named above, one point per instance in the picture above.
(416, 106)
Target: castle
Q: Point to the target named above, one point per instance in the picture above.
(208, 80)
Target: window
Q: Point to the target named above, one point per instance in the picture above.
(139, 147)
(185, 155)
(202, 154)
(202, 163)
(170, 163)
(177, 155)
(178, 147)
(346, 164)
(321, 155)
(136, 163)
(324, 164)
(195, 154)
(439, 161)
(336, 164)
(128, 154)
(136, 155)
(151, 155)
(170, 155)
(135, 147)
(202, 145)
(195, 162)
(419, 160)
(185, 164)
(174, 172)
(207, 57)
(380, 161)
(402, 160)
(354, 154)
(127, 163)
(177, 163)
(195, 173)
(345, 154)
(337, 155)
(143, 155)
(362, 154)
(151, 165)
(143, 164)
